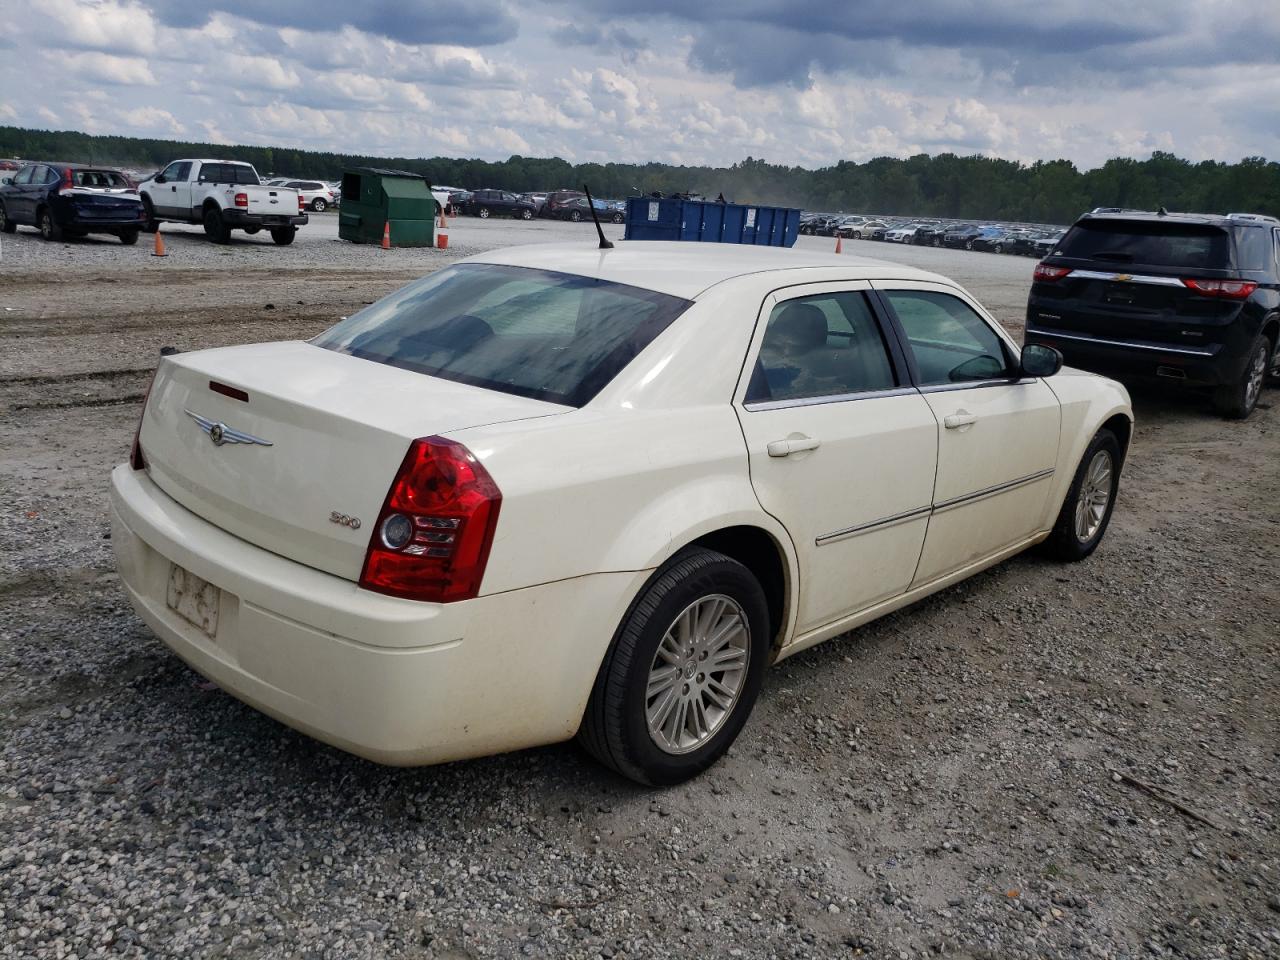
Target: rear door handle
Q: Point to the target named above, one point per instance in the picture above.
(954, 421)
(784, 448)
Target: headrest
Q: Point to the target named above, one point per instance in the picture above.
(800, 326)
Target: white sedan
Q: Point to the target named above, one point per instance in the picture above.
(555, 491)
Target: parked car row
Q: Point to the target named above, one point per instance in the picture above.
(992, 238)
(557, 204)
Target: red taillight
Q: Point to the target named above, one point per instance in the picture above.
(242, 200)
(1226, 289)
(136, 459)
(67, 185)
(432, 538)
(302, 204)
(1047, 274)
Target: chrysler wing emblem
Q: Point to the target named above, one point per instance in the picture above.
(220, 433)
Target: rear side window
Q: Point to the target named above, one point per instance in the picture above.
(1253, 248)
(1142, 242)
(534, 333)
(826, 345)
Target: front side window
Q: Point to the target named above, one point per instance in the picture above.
(950, 342)
(172, 171)
(24, 175)
(825, 345)
(534, 333)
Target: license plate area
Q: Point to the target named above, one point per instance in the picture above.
(195, 600)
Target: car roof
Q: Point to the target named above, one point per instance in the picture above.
(688, 269)
(1210, 219)
(72, 166)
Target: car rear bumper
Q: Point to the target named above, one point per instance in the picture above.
(1210, 365)
(392, 680)
(234, 217)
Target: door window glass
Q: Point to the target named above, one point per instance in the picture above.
(51, 175)
(171, 171)
(950, 342)
(821, 346)
(24, 175)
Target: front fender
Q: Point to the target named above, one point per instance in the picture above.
(1088, 401)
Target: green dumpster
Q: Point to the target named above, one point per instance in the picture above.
(373, 197)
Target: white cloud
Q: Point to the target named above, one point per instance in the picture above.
(154, 120)
(107, 68)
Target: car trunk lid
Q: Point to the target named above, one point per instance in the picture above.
(310, 440)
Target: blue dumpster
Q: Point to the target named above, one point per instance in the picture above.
(710, 222)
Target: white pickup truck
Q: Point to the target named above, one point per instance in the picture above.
(224, 195)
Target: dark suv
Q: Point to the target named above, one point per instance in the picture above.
(71, 200)
(1189, 297)
(486, 203)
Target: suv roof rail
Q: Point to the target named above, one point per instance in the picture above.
(1257, 217)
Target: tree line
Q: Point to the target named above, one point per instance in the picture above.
(945, 185)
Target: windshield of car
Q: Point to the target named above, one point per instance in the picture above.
(1146, 242)
(99, 178)
(534, 333)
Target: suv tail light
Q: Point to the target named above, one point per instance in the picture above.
(66, 188)
(1226, 289)
(242, 200)
(432, 538)
(1044, 273)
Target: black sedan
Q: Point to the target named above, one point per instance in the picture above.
(71, 200)
(579, 208)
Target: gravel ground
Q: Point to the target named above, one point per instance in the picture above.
(1043, 761)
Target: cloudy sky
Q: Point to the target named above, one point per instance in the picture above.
(680, 81)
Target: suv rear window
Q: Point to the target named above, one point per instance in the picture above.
(1144, 242)
(534, 333)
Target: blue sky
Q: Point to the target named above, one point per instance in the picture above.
(711, 82)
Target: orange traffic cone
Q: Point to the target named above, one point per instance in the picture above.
(839, 245)
(386, 235)
(442, 233)
(159, 250)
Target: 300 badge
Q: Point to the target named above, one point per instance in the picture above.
(343, 520)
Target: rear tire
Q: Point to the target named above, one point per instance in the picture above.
(1086, 511)
(618, 218)
(283, 236)
(319, 205)
(49, 228)
(526, 214)
(214, 228)
(483, 213)
(662, 711)
(575, 215)
(128, 237)
(1236, 401)
(6, 225)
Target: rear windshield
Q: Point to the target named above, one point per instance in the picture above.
(228, 173)
(99, 178)
(1156, 244)
(534, 333)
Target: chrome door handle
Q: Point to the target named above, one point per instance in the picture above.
(784, 448)
(954, 421)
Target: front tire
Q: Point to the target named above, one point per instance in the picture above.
(283, 236)
(1086, 512)
(151, 225)
(575, 216)
(618, 218)
(49, 228)
(214, 228)
(1235, 401)
(683, 672)
(483, 213)
(526, 214)
(6, 225)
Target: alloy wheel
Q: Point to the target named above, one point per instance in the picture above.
(1257, 375)
(697, 674)
(1094, 497)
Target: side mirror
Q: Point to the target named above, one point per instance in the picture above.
(6, 180)
(1040, 361)
(160, 178)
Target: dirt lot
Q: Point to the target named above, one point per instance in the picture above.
(1044, 761)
